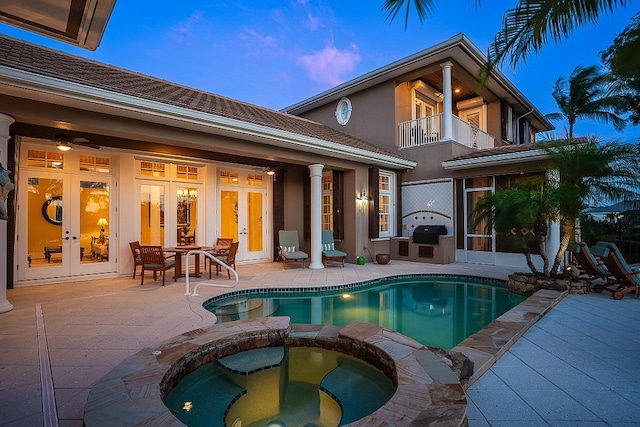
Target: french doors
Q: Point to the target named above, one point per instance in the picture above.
(243, 214)
(64, 224)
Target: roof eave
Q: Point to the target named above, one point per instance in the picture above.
(57, 87)
(495, 160)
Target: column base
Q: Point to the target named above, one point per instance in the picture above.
(316, 265)
(5, 306)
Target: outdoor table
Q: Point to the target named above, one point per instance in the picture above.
(181, 250)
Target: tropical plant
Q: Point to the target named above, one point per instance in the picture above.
(578, 175)
(588, 94)
(623, 62)
(523, 206)
(589, 174)
(526, 28)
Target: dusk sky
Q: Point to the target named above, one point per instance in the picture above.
(276, 53)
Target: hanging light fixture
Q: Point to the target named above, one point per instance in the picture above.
(63, 142)
(270, 171)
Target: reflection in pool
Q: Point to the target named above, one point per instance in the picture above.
(435, 311)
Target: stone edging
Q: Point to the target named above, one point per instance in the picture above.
(426, 388)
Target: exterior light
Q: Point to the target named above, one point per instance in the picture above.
(63, 146)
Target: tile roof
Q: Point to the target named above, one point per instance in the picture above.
(56, 64)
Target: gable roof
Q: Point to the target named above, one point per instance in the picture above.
(28, 63)
(458, 48)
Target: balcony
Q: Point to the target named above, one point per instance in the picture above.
(428, 130)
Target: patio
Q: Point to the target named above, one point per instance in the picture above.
(81, 330)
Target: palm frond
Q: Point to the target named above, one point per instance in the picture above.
(423, 9)
(532, 24)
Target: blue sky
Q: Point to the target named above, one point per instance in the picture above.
(276, 53)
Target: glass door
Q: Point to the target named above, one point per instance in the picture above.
(242, 214)
(65, 231)
(152, 213)
(243, 211)
(479, 238)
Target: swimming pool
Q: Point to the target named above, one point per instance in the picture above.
(437, 311)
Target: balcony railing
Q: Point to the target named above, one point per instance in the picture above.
(427, 130)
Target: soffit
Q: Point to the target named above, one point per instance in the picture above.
(78, 22)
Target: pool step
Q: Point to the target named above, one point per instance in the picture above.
(359, 389)
(250, 361)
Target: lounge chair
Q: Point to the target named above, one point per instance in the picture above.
(289, 248)
(625, 277)
(591, 266)
(329, 251)
(153, 259)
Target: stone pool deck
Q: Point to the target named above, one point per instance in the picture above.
(62, 338)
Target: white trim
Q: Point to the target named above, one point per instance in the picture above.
(494, 160)
(36, 82)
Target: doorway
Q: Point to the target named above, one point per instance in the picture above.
(65, 205)
(243, 212)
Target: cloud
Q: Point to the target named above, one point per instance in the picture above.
(256, 42)
(187, 31)
(312, 23)
(330, 65)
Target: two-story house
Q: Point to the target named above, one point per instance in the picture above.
(466, 139)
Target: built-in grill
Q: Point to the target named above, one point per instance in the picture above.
(429, 233)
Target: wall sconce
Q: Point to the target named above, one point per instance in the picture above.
(363, 198)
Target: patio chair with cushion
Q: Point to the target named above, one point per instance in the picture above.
(626, 278)
(135, 252)
(153, 259)
(228, 257)
(329, 251)
(591, 266)
(289, 248)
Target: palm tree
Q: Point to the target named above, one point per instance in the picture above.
(578, 175)
(587, 94)
(588, 174)
(526, 28)
(525, 205)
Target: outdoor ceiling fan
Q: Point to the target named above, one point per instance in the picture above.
(64, 142)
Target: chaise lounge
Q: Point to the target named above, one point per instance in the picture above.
(626, 278)
(329, 251)
(289, 248)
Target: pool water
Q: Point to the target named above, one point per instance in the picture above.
(280, 386)
(435, 311)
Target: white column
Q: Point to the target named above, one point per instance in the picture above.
(5, 122)
(316, 216)
(447, 102)
(554, 234)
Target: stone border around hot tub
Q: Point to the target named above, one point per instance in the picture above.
(427, 389)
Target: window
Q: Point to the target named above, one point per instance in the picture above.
(327, 200)
(386, 204)
(187, 172)
(95, 164)
(45, 159)
(154, 169)
(382, 212)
